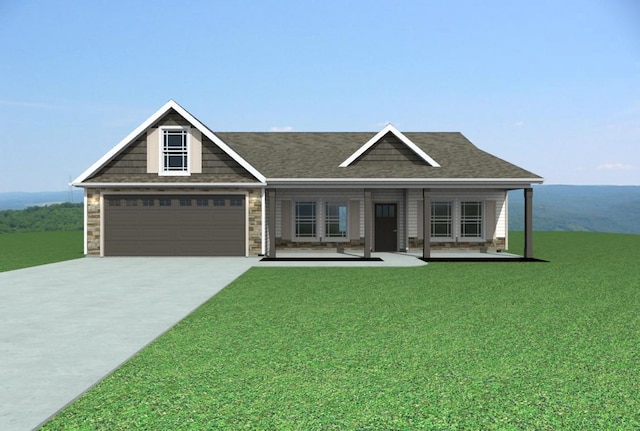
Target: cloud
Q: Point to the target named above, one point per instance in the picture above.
(281, 129)
(518, 123)
(615, 167)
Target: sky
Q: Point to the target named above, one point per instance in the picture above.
(552, 86)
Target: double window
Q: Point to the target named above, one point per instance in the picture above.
(313, 220)
(457, 219)
(174, 151)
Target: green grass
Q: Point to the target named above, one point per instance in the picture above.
(21, 250)
(445, 346)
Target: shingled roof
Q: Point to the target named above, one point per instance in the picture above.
(272, 157)
(294, 155)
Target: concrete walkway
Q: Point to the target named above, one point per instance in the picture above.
(65, 326)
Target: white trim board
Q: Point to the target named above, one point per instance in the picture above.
(398, 134)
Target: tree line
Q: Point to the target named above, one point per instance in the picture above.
(56, 217)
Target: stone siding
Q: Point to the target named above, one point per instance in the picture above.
(287, 245)
(496, 244)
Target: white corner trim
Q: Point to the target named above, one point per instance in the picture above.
(171, 104)
(263, 223)
(85, 202)
(398, 134)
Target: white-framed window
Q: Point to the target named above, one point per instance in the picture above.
(305, 219)
(471, 219)
(335, 218)
(441, 220)
(174, 150)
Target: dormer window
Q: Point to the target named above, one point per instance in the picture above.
(174, 151)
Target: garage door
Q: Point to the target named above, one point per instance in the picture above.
(161, 225)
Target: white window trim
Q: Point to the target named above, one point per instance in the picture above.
(321, 222)
(161, 167)
(483, 218)
(294, 236)
(450, 238)
(456, 220)
(326, 237)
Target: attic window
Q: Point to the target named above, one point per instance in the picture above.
(174, 151)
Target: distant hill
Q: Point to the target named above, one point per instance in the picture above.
(579, 208)
(55, 217)
(22, 200)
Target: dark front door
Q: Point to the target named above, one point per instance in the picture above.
(386, 227)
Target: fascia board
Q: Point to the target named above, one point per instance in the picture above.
(389, 128)
(167, 185)
(404, 182)
(146, 124)
(536, 180)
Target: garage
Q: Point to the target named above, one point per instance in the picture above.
(174, 225)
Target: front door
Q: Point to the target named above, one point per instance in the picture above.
(386, 227)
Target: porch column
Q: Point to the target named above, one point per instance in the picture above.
(528, 223)
(368, 213)
(271, 229)
(426, 223)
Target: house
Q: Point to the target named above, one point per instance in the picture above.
(175, 187)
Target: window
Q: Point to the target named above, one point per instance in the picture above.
(113, 202)
(174, 151)
(441, 220)
(164, 202)
(202, 202)
(131, 202)
(305, 219)
(147, 202)
(185, 202)
(385, 210)
(235, 202)
(471, 219)
(336, 220)
(218, 202)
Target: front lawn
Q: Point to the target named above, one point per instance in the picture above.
(21, 250)
(445, 346)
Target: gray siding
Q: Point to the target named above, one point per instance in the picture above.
(131, 164)
(389, 149)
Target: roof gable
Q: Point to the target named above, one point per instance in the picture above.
(389, 129)
(166, 108)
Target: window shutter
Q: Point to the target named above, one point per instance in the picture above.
(420, 219)
(354, 220)
(153, 154)
(285, 216)
(490, 219)
(196, 151)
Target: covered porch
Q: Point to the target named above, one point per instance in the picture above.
(426, 250)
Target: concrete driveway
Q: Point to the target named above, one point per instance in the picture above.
(65, 326)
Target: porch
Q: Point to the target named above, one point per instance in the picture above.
(318, 223)
(398, 259)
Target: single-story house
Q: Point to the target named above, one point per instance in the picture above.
(175, 187)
